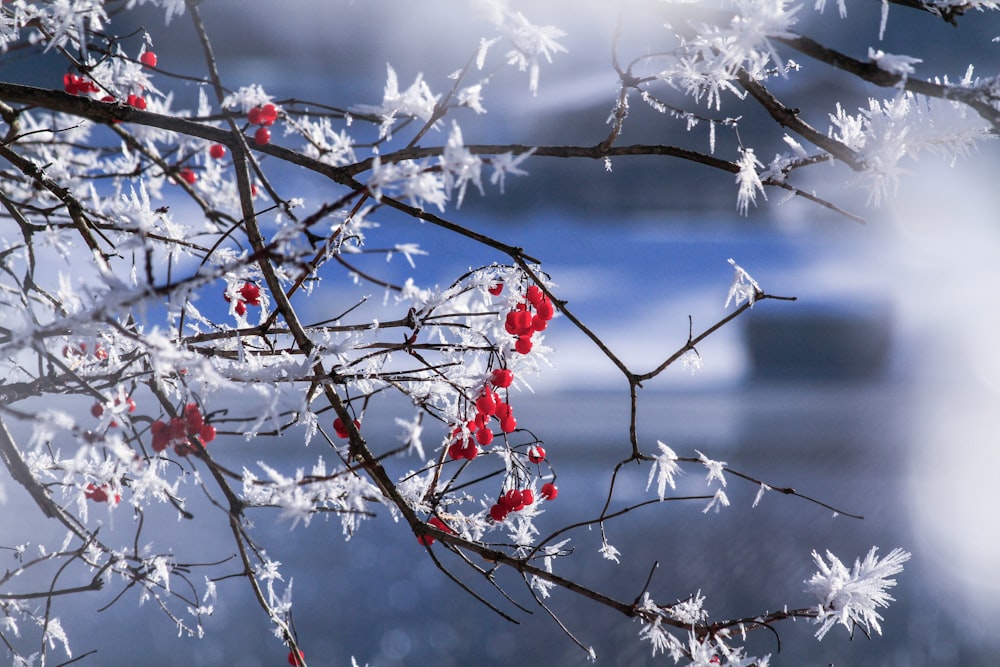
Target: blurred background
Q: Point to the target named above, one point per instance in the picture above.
(876, 391)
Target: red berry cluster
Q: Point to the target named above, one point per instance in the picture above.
(99, 494)
(78, 85)
(523, 323)
(249, 293)
(514, 500)
(489, 404)
(137, 101)
(180, 430)
(428, 540)
(97, 409)
(341, 428)
(80, 352)
(264, 116)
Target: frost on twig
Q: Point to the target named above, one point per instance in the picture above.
(743, 288)
(851, 597)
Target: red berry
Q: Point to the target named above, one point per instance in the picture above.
(456, 451)
(161, 435)
(207, 433)
(523, 344)
(97, 409)
(484, 436)
(253, 116)
(130, 402)
(524, 319)
(100, 353)
(502, 378)
(338, 426)
(470, 451)
(510, 323)
(148, 58)
(183, 448)
(528, 497)
(296, 659)
(481, 421)
(177, 429)
(498, 512)
(533, 295)
(428, 540)
(503, 410)
(536, 454)
(549, 491)
(538, 324)
(268, 114)
(96, 493)
(545, 309)
(241, 308)
(496, 288)
(193, 418)
(217, 151)
(511, 499)
(262, 136)
(508, 424)
(188, 175)
(250, 293)
(485, 404)
(137, 101)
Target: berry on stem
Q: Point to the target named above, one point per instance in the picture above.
(250, 293)
(523, 344)
(549, 491)
(217, 151)
(428, 540)
(484, 436)
(188, 175)
(341, 429)
(536, 454)
(498, 512)
(497, 288)
(502, 378)
(296, 658)
(148, 58)
(262, 136)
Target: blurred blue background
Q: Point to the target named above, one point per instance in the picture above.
(878, 394)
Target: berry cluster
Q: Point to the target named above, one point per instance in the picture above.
(99, 494)
(97, 409)
(514, 500)
(524, 323)
(78, 85)
(80, 352)
(249, 293)
(180, 430)
(264, 116)
(489, 404)
(428, 540)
